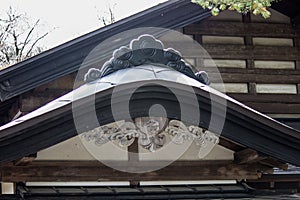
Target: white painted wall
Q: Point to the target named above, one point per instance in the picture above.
(7, 188)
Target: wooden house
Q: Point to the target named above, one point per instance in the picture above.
(255, 154)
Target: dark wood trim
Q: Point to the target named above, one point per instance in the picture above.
(272, 53)
(281, 182)
(25, 160)
(252, 88)
(236, 51)
(229, 144)
(275, 108)
(237, 75)
(274, 163)
(133, 151)
(246, 18)
(254, 71)
(267, 98)
(241, 29)
(96, 171)
(271, 103)
(198, 38)
(278, 178)
(247, 156)
(297, 64)
(250, 63)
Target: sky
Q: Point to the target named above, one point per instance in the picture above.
(67, 19)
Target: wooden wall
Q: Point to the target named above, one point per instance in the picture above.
(259, 60)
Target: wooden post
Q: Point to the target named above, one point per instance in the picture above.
(297, 44)
(133, 156)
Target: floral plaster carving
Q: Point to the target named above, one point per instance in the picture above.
(150, 132)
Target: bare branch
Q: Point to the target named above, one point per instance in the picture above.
(18, 39)
(15, 37)
(33, 45)
(26, 41)
(106, 20)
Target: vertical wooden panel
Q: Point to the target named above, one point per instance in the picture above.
(252, 88)
(297, 44)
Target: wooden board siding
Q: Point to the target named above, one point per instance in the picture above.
(267, 62)
(225, 28)
(96, 171)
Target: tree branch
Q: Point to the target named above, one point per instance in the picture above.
(32, 46)
(26, 41)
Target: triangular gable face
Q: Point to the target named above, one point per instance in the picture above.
(146, 98)
(73, 150)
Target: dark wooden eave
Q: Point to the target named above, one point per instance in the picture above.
(68, 57)
(242, 125)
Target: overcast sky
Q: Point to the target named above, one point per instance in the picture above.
(68, 19)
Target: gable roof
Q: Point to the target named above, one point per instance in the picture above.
(68, 57)
(54, 122)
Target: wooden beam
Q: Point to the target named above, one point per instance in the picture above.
(133, 156)
(277, 181)
(229, 144)
(278, 178)
(252, 88)
(275, 108)
(255, 71)
(241, 29)
(229, 51)
(247, 156)
(96, 171)
(278, 76)
(25, 160)
(274, 163)
(283, 53)
(267, 98)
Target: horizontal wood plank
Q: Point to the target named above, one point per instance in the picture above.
(274, 163)
(242, 29)
(285, 53)
(96, 171)
(230, 75)
(247, 156)
(267, 98)
(230, 51)
(275, 108)
(271, 103)
(278, 178)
